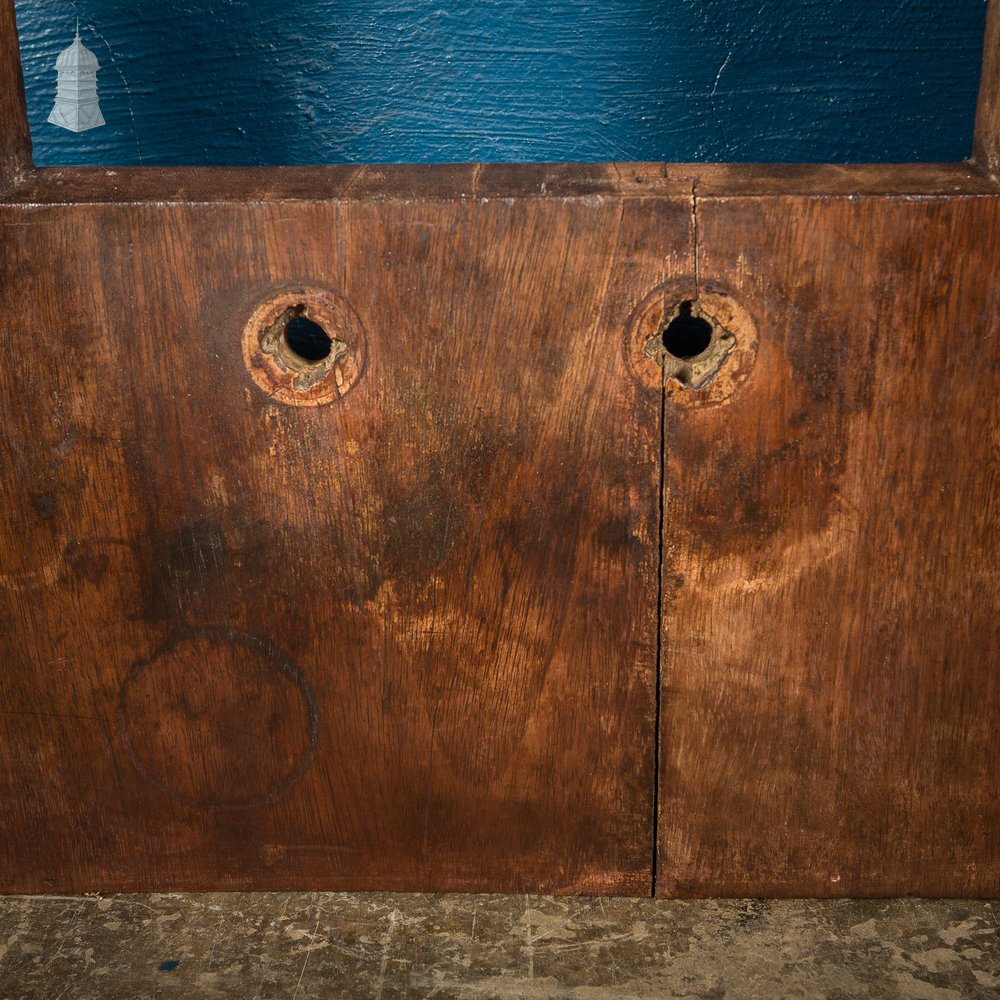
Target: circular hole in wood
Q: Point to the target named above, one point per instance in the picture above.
(304, 346)
(687, 336)
(307, 339)
(709, 351)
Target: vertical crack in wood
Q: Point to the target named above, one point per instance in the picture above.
(694, 236)
(657, 695)
(661, 548)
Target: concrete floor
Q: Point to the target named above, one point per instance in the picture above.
(383, 945)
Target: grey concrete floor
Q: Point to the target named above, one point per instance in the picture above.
(384, 945)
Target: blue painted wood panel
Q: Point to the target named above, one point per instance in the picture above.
(328, 81)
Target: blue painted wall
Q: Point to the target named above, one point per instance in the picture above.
(331, 81)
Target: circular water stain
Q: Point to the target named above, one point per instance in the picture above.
(219, 719)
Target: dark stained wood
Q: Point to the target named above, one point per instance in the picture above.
(15, 140)
(407, 638)
(831, 668)
(432, 182)
(987, 141)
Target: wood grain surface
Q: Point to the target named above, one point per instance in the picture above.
(441, 630)
(15, 139)
(987, 138)
(224, 185)
(407, 638)
(830, 688)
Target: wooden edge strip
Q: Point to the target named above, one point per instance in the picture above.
(211, 185)
(987, 141)
(15, 138)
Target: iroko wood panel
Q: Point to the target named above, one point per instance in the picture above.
(831, 693)
(406, 638)
(430, 618)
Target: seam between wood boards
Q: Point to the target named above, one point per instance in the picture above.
(658, 694)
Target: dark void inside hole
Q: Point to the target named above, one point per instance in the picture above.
(307, 339)
(687, 336)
